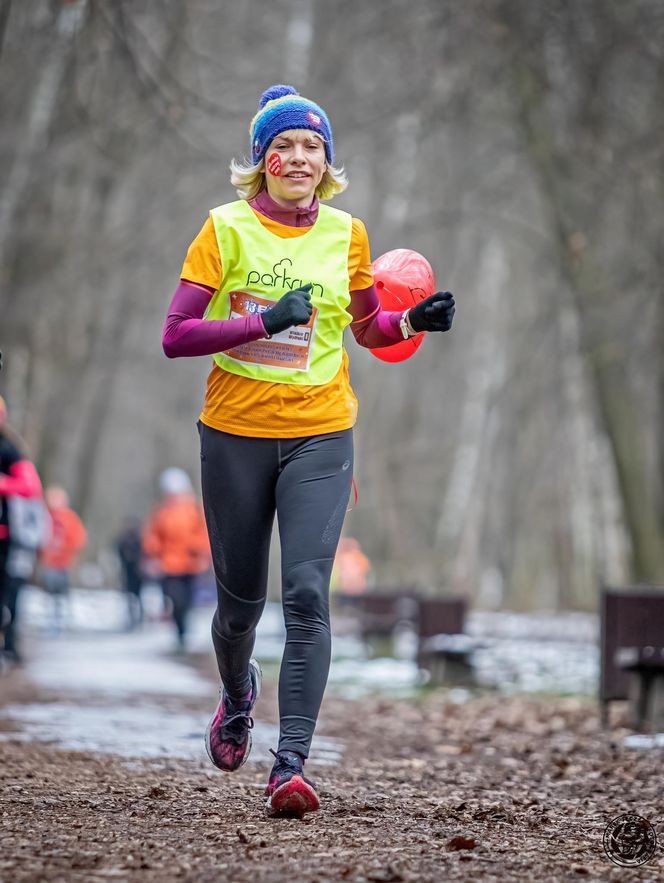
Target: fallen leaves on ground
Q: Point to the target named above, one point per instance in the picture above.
(496, 789)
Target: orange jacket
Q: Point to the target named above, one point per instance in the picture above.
(175, 535)
(67, 538)
(351, 568)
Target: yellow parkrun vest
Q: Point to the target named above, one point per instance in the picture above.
(259, 267)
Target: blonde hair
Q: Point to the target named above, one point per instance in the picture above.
(249, 179)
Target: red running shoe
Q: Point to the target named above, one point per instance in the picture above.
(228, 736)
(288, 792)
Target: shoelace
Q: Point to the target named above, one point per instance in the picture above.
(236, 724)
(284, 764)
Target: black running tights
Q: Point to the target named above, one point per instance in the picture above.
(306, 482)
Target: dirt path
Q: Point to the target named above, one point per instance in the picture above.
(496, 789)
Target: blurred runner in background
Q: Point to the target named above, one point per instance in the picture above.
(351, 567)
(175, 538)
(23, 529)
(60, 554)
(129, 547)
(350, 573)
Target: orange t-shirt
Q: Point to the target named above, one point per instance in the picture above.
(244, 406)
(68, 537)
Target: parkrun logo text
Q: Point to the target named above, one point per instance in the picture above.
(279, 278)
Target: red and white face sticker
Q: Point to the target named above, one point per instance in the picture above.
(274, 165)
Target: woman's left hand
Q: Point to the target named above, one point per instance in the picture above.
(435, 313)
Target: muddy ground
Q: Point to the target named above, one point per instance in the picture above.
(494, 789)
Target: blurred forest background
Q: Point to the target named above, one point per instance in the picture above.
(519, 145)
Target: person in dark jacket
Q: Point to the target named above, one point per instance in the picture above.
(22, 528)
(129, 548)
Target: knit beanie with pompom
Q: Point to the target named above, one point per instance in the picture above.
(281, 108)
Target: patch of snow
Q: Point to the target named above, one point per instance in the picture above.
(145, 731)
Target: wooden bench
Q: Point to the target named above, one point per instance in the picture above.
(631, 657)
(383, 614)
(443, 648)
(437, 625)
(646, 689)
(384, 610)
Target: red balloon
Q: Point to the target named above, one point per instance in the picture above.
(403, 278)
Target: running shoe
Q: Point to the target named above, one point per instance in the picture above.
(228, 736)
(288, 792)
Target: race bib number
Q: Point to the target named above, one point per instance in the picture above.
(290, 349)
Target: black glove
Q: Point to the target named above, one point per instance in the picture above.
(294, 308)
(435, 313)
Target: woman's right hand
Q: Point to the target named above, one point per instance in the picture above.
(294, 308)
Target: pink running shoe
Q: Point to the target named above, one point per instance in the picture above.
(228, 736)
(288, 792)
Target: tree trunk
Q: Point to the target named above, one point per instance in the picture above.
(618, 417)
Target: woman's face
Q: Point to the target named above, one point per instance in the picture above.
(294, 166)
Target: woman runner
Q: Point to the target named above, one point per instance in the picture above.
(267, 288)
